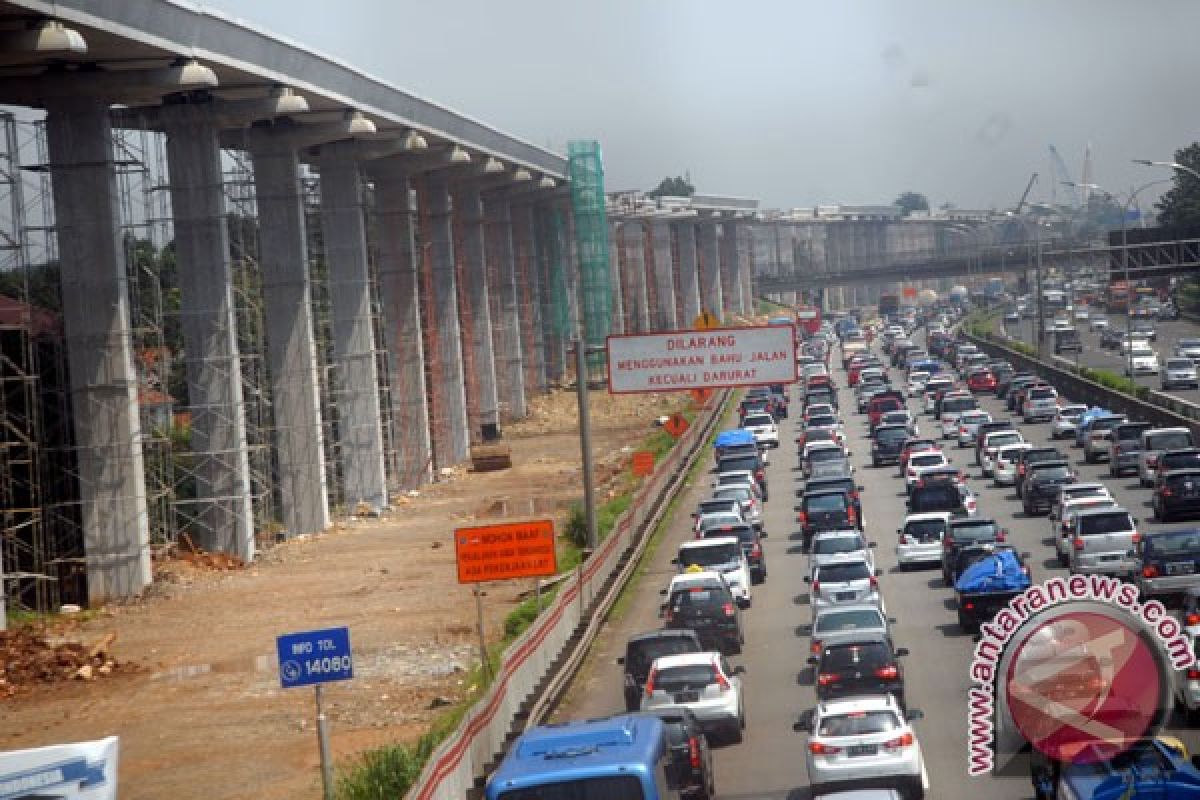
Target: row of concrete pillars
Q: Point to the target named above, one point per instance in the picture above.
(431, 231)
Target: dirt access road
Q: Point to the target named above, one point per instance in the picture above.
(196, 699)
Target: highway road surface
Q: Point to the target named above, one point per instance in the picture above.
(769, 764)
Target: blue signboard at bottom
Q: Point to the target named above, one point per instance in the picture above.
(311, 657)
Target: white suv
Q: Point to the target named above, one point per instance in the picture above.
(721, 554)
(766, 432)
(704, 684)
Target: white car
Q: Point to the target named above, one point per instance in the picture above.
(920, 538)
(1133, 341)
(1142, 361)
(703, 683)
(1066, 420)
(1004, 469)
(766, 432)
(916, 383)
(968, 425)
(931, 387)
(1061, 523)
(721, 554)
(925, 459)
(865, 738)
(1098, 322)
(847, 545)
(1187, 681)
(1180, 372)
(1082, 313)
(992, 443)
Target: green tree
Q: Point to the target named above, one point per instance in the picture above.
(674, 187)
(910, 202)
(1180, 205)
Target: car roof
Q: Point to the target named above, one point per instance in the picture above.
(1053, 462)
(965, 522)
(662, 633)
(852, 560)
(849, 607)
(713, 541)
(926, 516)
(844, 533)
(705, 657)
(702, 576)
(856, 703)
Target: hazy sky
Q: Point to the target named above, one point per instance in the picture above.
(796, 102)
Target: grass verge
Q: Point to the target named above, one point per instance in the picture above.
(389, 772)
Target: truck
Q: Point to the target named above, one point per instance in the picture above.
(888, 304)
(1116, 297)
(1150, 768)
(808, 319)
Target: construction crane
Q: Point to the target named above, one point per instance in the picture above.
(1025, 195)
(1062, 177)
(1013, 227)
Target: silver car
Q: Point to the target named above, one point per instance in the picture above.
(1180, 372)
(843, 582)
(1066, 420)
(750, 500)
(840, 623)
(703, 683)
(1155, 442)
(1040, 404)
(968, 426)
(1104, 541)
(847, 545)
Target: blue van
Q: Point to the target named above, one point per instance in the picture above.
(623, 757)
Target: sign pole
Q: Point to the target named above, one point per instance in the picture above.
(585, 443)
(483, 653)
(323, 744)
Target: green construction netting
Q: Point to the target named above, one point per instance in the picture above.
(586, 167)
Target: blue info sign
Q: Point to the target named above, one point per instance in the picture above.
(313, 657)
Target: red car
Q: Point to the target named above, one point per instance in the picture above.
(982, 381)
(882, 402)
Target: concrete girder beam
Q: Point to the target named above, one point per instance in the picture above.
(129, 86)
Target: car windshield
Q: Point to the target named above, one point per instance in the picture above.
(844, 573)
(754, 420)
(826, 454)
(684, 677)
(1003, 439)
(850, 656)
(974, 530)
(1055, 472)
(829, 545)
(699, 597)
(1142, 352)
(938, 497)
(1172, 440)
(1071, 412)
(958, 404)
(1009, 454)
(1172, 542)
(885, 404)
(709, 556)
(931, 460)
(739, 493)
(1115, 522)
(822, 421)
(923, 529)
(891, 434)
(641, 654)
(1179, 363)
(1169, 461)
(825, 502)
(1189, 343)
(848, 620)
(1042, 394)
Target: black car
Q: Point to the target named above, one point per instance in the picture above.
(945, 496)
(1177, 495)
(864, 665)
(966, 533)
(709, 608)
(750, 540)
(826, 510)
(822, 394)
(1183, 458)
(984, 428)
(1112, 337)
(886, 443)
(1042, 481)
(1012, 395)
(972, 553)
(689, 762)
(845, 484)
(747, 449)
(643, 648)
(1034, 455)
(1004, 383)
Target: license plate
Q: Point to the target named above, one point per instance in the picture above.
(845, 595)
(1112, 557)
(861, 750)
(687, 697)
(1180, 568)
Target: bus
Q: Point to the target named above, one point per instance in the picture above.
(623, 757)
(1116, 297)
(808, 319)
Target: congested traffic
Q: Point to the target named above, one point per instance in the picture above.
(975, 449)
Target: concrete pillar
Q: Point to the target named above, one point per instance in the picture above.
(525, 232)
(220, 518)
(506, 325)
(291, 353)
(689, 273)
(746, 267)
(468, 206)
(355, 376)
(615, 278)
(710, 269)
(95, 305)
(785, 252)
(399, 299)
(552, 267)
(731, 287)
(451, 442)
(664, 278)
(635, 274)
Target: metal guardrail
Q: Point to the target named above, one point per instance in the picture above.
(540, 660)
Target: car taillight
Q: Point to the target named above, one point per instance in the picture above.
(1001, 536)
(756, 551)
(905, 740)
(728, 609)
(850, 515)
(815, 647)
(802, 518)
(818, 749)
(907, 539)
(968, 606)
(758, 473)
(1078, 543)
(1149, 571)
(826, 678)
(1165, 491)
(669, 616)
(948, 542)
(694, 752)
(1151, 461)
(888, 673)
(816, 587)
(874, 582)
(1137, 537)
(650, 683)
(722, 682)
(1193, 674)
(1192, 619)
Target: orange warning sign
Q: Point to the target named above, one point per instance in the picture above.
(643, 463)
(700, 396)
(508, 550)
(676, 425)
(909, 292)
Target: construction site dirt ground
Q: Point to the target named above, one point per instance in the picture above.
(194, 694)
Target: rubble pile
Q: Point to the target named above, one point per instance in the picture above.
(28, 657)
